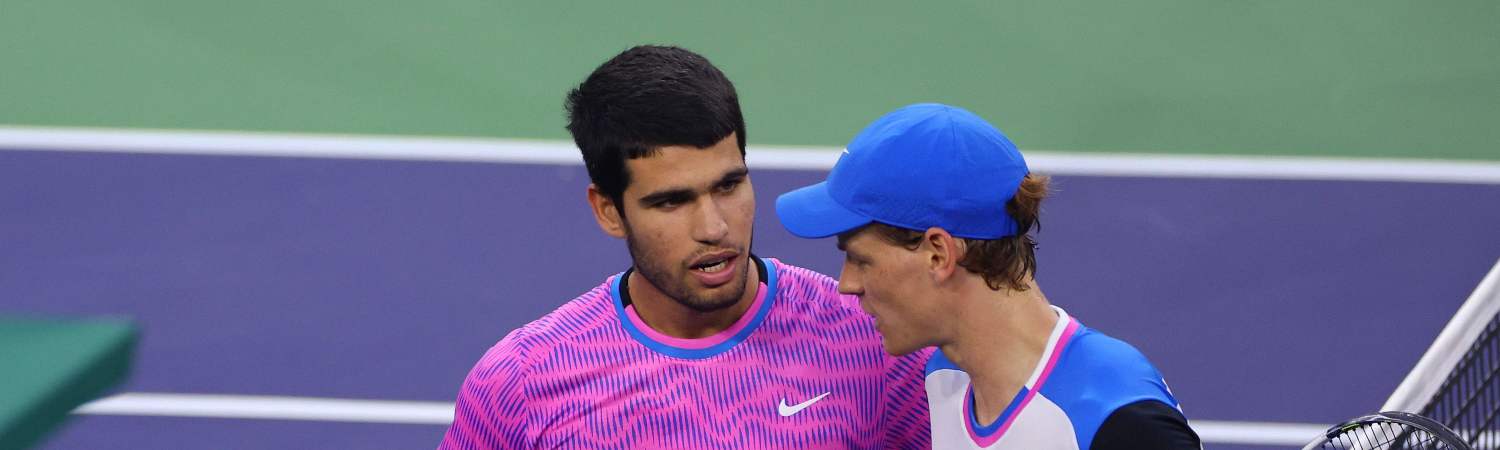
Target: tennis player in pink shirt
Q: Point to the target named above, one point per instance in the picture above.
(699, 344)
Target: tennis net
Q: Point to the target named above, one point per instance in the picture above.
(1457, 381)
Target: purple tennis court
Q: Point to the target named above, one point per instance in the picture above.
(1260, 300)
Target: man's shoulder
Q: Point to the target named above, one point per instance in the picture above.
(1094, 352)
(808, 304)
(1098, 374)
(807, 290)
(1128, 401)
(586, 313)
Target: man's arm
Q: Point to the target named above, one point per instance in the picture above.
(1146, 424)
(491, 409)
(907, 422)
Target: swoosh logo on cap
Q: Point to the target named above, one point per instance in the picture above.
(788, 411)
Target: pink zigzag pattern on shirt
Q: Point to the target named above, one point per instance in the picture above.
(576, 379)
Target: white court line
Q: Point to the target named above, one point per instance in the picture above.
(1257, 433)
(769, 157)
(441, 413)
(270, 407)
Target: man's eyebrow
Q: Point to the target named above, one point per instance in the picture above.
(685, 194)
(669, 194)
(735, 175)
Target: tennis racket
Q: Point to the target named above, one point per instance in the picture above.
(1390, 430)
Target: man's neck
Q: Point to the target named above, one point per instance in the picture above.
(998, 338)
(669, 317)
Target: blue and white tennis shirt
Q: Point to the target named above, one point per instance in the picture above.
(1088, 390)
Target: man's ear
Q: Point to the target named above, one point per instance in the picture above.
(606, 212)
(943, 253)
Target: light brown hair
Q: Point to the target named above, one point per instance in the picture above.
(1005, 263)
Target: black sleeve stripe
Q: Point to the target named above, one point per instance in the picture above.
(1146, 424)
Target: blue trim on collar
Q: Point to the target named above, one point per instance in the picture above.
(989, 430)
(686, 353)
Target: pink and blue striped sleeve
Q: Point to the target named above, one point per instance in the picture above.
(491, 410)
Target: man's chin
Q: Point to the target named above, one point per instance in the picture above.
(897, 352)
(897, 349)
(713, 299)
(718, 298)
(707, 304)
(707, 307)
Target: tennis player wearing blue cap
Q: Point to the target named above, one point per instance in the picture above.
(933, 208)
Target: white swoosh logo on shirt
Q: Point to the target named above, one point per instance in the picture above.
(787, 411)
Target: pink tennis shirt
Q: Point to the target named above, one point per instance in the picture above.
(802, 369)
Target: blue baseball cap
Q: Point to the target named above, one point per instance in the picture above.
(921, 166)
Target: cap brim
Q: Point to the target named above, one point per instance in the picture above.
(811, 213)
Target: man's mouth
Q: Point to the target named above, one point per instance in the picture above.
(715, 269)
(713, 263)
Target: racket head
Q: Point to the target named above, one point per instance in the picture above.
(1389, 430)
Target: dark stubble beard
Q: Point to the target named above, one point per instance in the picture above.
(658, 271)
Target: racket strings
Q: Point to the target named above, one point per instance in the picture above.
(1385, 436)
